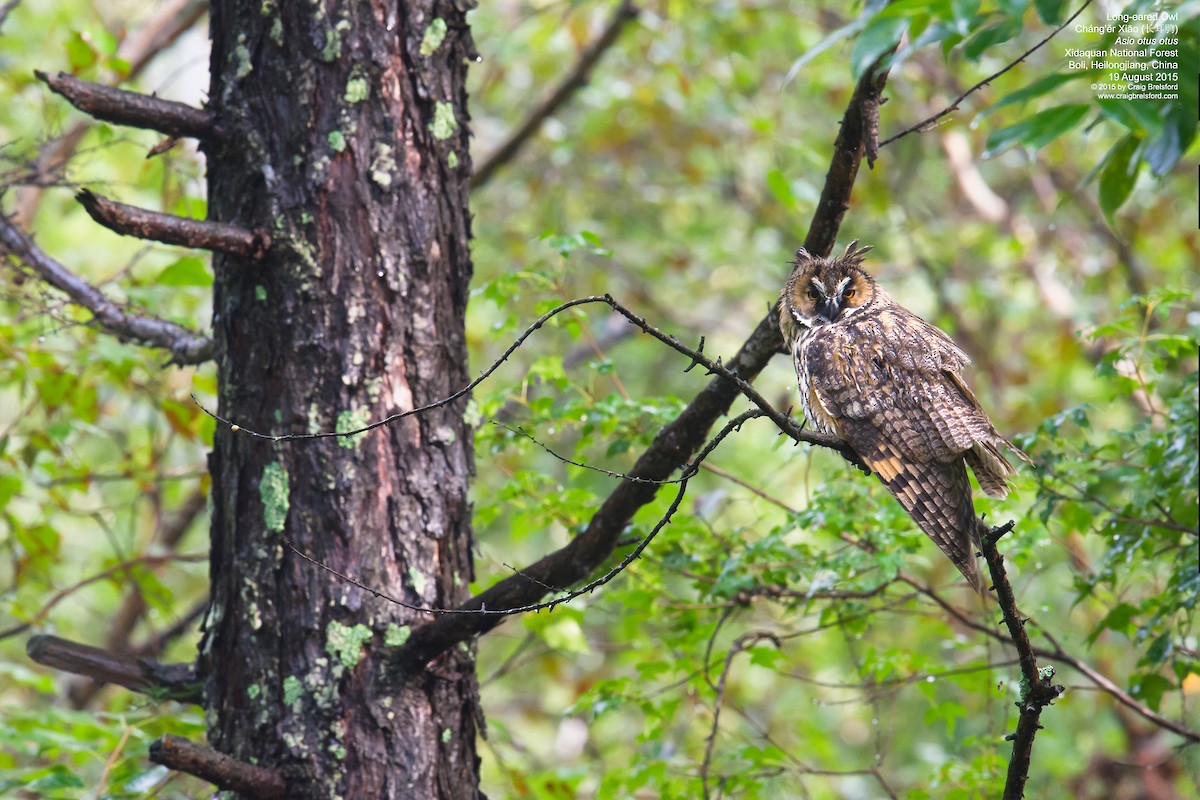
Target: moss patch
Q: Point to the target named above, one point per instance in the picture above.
(345, 644)
(273, 490)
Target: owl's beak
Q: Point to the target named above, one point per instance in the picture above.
(829, 309)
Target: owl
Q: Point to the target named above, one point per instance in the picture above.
(889, 384)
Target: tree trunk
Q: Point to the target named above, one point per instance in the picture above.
(349, 136)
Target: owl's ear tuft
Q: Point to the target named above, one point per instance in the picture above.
(855, 253)
(802, 255)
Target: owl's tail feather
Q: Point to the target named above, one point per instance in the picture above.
(937, 496)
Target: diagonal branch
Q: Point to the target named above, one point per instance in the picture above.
(626, 12)
(134, 109)
(186, 346)
(679, 439)
(171, 229)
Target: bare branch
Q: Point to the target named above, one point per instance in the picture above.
(781, 419)
(166, 681)
(529, 575)
(925, 124)
(186, 346)
(170, 229)
(134, 109)
(7, 9)
(218, 769)
(1037, 691)
(625, 13)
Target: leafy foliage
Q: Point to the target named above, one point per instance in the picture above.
(1134, 490)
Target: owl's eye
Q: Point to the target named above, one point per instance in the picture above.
(848, 293)
(812, 294)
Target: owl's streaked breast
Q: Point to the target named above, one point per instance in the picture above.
(814, 410)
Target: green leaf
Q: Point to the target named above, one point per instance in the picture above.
(1049, 11)
(1150, 687)
(1137, 115)
(1158, 650)
(781, 188)
(990, 36)
(1037, 131)
(187, 271)
(1164, 151)
(80, 53)
(1120, 619)
(1038, 88)
(843, 32)
(1119, 175)
(881, 35)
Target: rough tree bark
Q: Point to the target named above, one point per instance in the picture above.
(346, 139)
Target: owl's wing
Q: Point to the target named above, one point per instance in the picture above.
(936, 494)
(892, 385)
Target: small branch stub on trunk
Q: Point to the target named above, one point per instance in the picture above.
(170, 229)
(173, 681)
(136, 110)
(218, 769)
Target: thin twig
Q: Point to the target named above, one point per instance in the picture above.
(743, 642)
(1056, 654)
(116, 569)
(1037, 691)
(926, 123)
(519, 431)
(625, 13)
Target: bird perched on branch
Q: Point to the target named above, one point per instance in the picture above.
(889, 384)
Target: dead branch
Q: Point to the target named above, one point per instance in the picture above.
(186, 346)
(625, 13)
(134, 109)
(165, 681)
(218, 769)
(170, 229)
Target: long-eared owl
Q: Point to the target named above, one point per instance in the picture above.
(889, 384)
